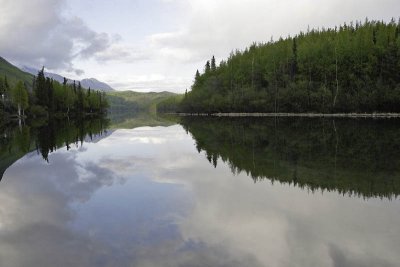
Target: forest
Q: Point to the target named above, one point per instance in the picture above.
(351, 68)
(46, 97)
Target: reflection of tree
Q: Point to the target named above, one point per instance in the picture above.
(58, 134)
(14, 143)
(23, 139)
(349, 156)
(46, 137)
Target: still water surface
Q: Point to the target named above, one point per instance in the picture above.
(205, 192)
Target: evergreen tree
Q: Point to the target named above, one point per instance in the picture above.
(69, 96)
(49, 91)
(213, 65)
(207, 67)
(40, 89)
(294, 59)
(80, 102)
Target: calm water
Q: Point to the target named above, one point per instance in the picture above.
(201, 192)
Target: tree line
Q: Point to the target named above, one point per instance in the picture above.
(48, 97)
(351, 68)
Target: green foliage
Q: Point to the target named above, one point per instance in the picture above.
(47, 96)
(64, 98)
(37, 111)
(135, 101)
(19, 96)
(353, 68)
(170, 105)
(14, 74)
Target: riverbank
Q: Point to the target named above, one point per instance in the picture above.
(309, 115)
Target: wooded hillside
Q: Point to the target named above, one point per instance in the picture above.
(351, 68)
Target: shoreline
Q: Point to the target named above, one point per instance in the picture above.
(308, 115)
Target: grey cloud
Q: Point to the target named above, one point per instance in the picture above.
(37, 33)
(123, 54)
(341, 259)
(79, 72)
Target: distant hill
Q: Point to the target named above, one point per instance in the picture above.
(135, 101)
(86, 83)
(13, 73)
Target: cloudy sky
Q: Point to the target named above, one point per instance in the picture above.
(156, 45)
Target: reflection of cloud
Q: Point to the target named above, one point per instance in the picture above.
(35, 213)
(72, 212)
(283, 226)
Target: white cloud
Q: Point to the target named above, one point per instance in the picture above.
(220, 26)
(150, 82)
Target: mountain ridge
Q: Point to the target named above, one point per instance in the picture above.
(92, 83)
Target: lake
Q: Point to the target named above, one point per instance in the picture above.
(198, 191)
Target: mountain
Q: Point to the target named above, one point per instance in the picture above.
(96, 84)
(86, 83)
(13, 73)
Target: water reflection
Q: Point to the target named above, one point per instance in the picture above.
(47, 137)
(146, 197)
(349, 156)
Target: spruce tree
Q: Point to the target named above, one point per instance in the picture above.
(80, 98)
(213, 65)
(207, 67)
(294, 60)
(40, 89)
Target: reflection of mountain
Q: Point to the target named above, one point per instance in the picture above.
(133, 120)
(349, 156)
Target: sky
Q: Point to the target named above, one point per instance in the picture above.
(157, 45)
